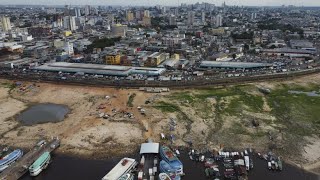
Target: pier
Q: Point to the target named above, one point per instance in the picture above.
(20, 167)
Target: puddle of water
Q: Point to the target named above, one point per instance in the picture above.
(312, 93)
(43, 113)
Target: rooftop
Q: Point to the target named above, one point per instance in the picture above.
(149, 148)
(222, 64)
(101, 69)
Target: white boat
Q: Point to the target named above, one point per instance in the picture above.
(177, 152)
(124, 167)
(247, 162)
(164, 176)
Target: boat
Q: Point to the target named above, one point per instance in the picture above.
(10, 158)
(273, 165)
(127, 176)
(166, 168)
(41, 163)
(251, 163)
(171, 159)
(124, 167)
(247, 162)
(279, 164)
(164, 176)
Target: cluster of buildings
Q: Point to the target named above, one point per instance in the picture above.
(183, 38)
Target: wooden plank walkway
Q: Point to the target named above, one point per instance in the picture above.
(19, 168)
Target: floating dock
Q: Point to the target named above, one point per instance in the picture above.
(20, 167)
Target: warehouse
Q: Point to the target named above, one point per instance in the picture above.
(232, 65)
(100, 69)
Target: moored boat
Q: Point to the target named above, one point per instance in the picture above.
(247, 162)
(127, 176)
(124, 167)
(40, 164)
(164, 176)
(10, 158)
(171, 159)
(279, 164)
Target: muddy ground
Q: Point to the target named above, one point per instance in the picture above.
(222, 117)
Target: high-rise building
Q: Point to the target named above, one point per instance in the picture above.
(138, 15)
(130, 16)
(176, 11)
(163, 10)
(203, 17)
(119, 30)
(146, 13)
(69, 23)
(6, 25)
(68, 48)
(172, 20)
(254, 15)
(77, 12)
(66, 10)
(219, 20)
(190, 20)
(87, 10)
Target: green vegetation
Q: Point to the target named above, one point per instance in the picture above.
(298, 112)
(102, 43)
(167, 107)
(274, 25)
(130, 100)
(10, 86)
(244, 35)
(182, 96)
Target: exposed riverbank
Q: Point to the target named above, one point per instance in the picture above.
(207, 117)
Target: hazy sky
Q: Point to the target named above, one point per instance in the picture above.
(163, 2)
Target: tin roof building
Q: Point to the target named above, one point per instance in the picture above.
(232, 65)
(109, 70)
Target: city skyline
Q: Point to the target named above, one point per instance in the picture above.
(162, 2)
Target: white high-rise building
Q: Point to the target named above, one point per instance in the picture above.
(190, 20)
(203, 17)
(6, 25)
(77, 12)
(87, 10)
(219, 20)
(69, 23)
(68, 48)
(73, 25)
(146, 13)
(254, 15)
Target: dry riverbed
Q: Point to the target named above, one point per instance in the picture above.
(230, 117)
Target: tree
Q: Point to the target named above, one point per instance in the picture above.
(246, 47)
(102, 43)
(272, 46)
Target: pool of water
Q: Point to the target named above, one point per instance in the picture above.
(43, 113)
(312, 93)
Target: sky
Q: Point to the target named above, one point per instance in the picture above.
(163, 2)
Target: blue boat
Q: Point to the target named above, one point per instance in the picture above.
(170, 161)
(166, 168)
(6, 161)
